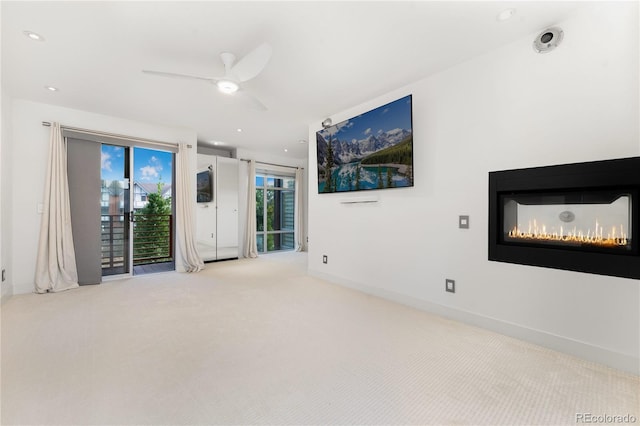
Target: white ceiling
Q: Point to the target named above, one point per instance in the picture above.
(327, 57)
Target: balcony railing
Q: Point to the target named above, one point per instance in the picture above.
(152, 238)
(114, 244)
(152, 241)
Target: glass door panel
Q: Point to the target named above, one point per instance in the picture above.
(114, 210)
(260, 211)
(152, 214)
(275, 215)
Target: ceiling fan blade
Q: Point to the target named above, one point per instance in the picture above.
(252, 63)
(251, 100)
(183, 76)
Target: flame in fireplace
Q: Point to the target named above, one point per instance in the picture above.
(614, 237)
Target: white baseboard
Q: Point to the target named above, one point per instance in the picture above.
(619, 361)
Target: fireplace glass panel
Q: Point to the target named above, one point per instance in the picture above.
(582, 220)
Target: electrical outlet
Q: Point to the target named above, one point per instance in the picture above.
(450, 285)
(325, 259)
(463, 222)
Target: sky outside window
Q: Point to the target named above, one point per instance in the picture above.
(112, 162)
(151, 166)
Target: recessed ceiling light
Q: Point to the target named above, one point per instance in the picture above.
(51, 88)
(218, 143)
(239, 130)
(506, 14)
(33, 36)
(286, 150)
(302, 141)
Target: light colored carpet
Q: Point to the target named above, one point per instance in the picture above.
(260, 342)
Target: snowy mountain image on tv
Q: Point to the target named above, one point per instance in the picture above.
(371, 151)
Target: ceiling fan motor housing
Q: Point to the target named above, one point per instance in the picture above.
(228, 59)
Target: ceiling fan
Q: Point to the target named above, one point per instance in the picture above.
(245, 69)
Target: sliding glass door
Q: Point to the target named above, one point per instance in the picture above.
(122, 210)
(136, 214)
(115, 211)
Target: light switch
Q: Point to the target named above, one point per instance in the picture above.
(450, 285)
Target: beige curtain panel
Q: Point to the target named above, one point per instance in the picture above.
(185, 213)
(250, 239)
(56, 262)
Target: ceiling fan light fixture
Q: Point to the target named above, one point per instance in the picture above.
(227, 86)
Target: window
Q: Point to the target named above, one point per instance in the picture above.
(275, 200)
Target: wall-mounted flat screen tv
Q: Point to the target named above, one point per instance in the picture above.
(371, 151)
(204, 187)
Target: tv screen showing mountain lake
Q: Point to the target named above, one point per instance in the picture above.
(371, 151)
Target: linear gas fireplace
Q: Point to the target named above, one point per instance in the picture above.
(579, 217)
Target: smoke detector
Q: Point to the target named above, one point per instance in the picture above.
(548, 40)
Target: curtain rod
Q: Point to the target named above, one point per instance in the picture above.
(273, 164)
(113, 135)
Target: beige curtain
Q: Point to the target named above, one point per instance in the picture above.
(299, 212)
(185, 213)
(56, 262)
(250, 242)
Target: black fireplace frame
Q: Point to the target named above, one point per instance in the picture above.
(621, 173)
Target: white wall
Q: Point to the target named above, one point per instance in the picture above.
(6, 287)
(29, 144)
(244, 183)
(5, 204)
(510, 108)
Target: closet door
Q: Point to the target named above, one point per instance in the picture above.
(206, 212)
(227, 208)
